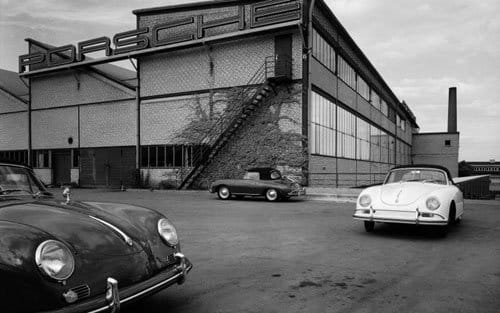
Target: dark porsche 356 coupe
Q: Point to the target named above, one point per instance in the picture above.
(267, 182)
(67, 256)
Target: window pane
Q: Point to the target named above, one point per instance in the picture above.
(144, 156)
(161, 156)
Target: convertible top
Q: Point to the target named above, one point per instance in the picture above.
(264, 172)
(425, 166)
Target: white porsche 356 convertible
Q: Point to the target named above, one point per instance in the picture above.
(416, 194)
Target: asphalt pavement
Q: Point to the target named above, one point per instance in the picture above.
(311, 256)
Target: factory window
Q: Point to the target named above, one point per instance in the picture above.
(375, 134)
(19, 156)
(362, 140)
(375, 100)
(40, 158)
(384, 147)
(363, 89)
(384, 108)
(165, 156)
(323, 51)
(323, 126)
(447, 143)
(75, 156)
(346, 134)
(346, 73)
(392, 150)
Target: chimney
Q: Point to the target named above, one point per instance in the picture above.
(452, 110)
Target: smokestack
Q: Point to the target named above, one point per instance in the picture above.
(452, 110)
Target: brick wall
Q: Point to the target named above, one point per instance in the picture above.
(163, 119)
(430, 148)
(52, 128)
(9, 103)
(109, 124)
(234, 63)
(74, 87)
(14, 131)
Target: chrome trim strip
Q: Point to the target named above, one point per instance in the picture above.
(127, 239)
(145, 291)
(390, 220)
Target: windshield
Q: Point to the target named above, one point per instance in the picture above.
(417, 174)
(19, 180)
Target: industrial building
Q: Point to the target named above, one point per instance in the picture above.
(218, 87)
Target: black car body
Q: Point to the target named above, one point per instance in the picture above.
(262, 181)
(67, 256)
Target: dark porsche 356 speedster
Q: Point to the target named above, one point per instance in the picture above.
(264, 181)
(68, 256)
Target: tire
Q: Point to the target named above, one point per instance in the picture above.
(452, 215)
(369, 226)
(223, 193)
(443, 230)
(272, 195)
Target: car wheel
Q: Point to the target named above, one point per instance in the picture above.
(223, 193)
(369, 226)
(272, 194)
(452, 215)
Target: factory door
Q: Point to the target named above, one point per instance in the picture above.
(61, 167)
(108, 167)
(283, 55)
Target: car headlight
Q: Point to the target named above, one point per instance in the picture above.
(55, 259)
(167, 232)
(365, 200)
(432, 203)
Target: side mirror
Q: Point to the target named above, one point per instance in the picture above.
(67, 193)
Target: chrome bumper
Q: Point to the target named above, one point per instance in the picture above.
(401, 217)
(113, 295)
(299, 192)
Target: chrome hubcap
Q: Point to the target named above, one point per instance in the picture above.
(271, 194)
(224, 192)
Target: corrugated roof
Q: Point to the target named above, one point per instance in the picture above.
(12, 84)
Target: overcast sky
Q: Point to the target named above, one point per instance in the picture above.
(421, 48)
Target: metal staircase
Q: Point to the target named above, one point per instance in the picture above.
(274, 71)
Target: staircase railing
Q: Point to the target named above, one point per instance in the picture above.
(231, 116)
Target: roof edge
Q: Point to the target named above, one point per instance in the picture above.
(186, 6)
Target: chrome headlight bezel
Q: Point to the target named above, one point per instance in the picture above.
(50, 251)
(167, 232)
(432, 203)
(365, 200)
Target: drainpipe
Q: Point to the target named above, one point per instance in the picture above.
(308, 78)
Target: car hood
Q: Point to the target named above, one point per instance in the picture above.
(87, 228)
(406, 193)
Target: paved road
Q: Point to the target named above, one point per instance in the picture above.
(311, 256)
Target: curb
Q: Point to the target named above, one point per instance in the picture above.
(331, 197)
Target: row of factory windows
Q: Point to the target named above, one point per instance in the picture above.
(337, 132)
(151, 156)
(326, 55)
(165, 156)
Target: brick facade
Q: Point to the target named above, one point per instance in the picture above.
(109, 124)
(74, 87)
(14, 131)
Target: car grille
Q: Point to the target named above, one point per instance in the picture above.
(82, 291)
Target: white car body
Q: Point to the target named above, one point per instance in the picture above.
(407, 201)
